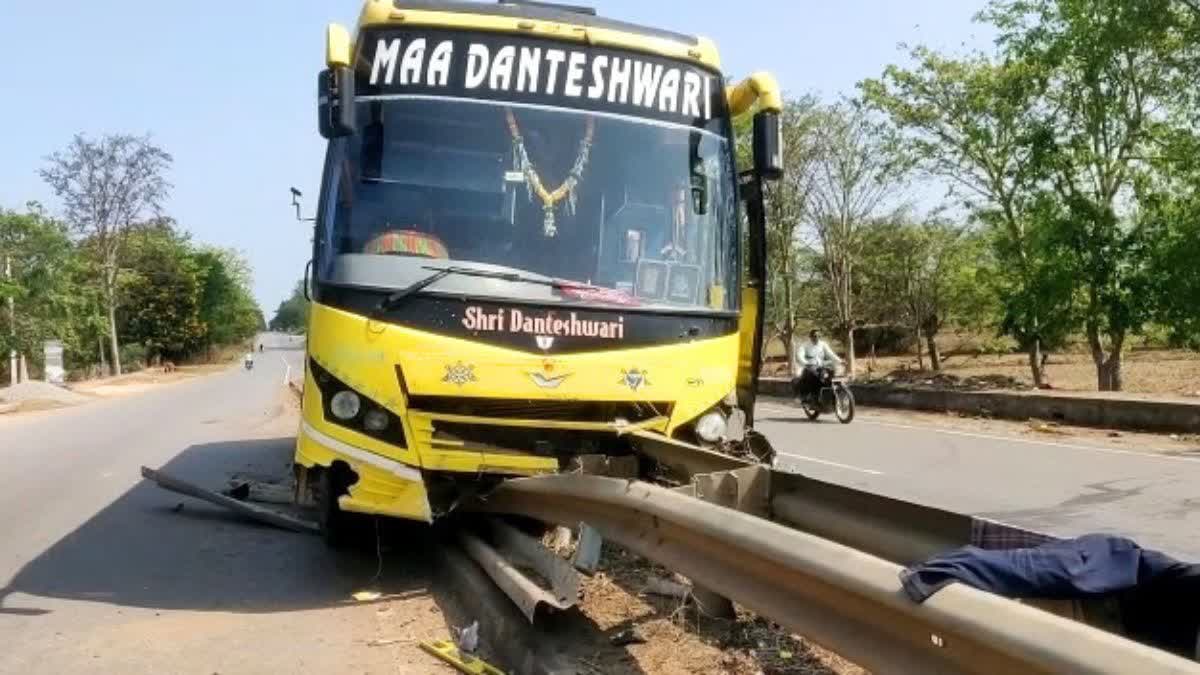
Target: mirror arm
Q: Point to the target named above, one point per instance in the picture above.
(296, 194)
(760, 87)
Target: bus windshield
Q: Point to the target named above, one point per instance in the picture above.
(623, 210)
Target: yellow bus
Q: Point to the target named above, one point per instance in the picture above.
(532, 243)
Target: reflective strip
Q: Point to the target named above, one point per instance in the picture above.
(391, 466)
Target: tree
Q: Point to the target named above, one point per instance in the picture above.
(162, 286)
(926, 272)
(292, 314)
(855, 173)
(41, 262)
(227, 309)
(974, 123)
(106, 187)
(1107, 75)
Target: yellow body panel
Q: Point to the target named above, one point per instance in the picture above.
(382, 488)
(370, 356)
(338, 50)
(759, 87)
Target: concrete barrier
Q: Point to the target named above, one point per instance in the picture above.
(1093, 411)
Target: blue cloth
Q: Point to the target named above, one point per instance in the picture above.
(1090, 565)
(1158, 595)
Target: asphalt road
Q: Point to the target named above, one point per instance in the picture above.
(1066, 487)
(100, 573)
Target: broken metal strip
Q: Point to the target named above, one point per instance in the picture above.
(249, 510)
(522, 548)
(683, 460)
(525, 593)
(567, 425)
(844, 599)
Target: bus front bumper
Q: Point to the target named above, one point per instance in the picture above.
(385, 487)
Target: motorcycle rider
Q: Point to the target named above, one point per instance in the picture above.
(811, 357)
(249, 360)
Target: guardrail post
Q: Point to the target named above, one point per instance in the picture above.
(722, 489)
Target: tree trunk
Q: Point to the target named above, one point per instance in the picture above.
(1036, 363)
(103, 358)
(920, 353)
(935, 356)
(112, 328)
(850, 361)
(789, 319)
(1115, 376)
(1103, 376)
(1108, 367)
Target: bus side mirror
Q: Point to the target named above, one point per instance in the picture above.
(335, 102)
(768, 145)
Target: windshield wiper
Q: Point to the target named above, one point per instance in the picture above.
(396, 299)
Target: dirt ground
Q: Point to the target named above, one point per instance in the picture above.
(671, 639)
(1153, 372)
(143, 380)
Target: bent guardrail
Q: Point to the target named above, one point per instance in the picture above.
(840, 597)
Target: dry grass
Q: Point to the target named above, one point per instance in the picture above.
(1160, 372)
(678, 641)
(1152, 372)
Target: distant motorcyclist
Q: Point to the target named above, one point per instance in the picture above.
(812, 357)
(249, 360)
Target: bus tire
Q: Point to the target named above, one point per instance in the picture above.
(335, 523)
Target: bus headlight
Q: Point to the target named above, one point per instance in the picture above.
(345, 405)
(711, 426)
(375, 420)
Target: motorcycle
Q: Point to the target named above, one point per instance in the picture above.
(249, 363)
(833, 396)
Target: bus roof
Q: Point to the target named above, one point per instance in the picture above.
(542, 20)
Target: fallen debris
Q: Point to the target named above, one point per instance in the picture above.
(446, 651)
(366, 596)
(668, 588)
(1046, 428)
(385, 642)
(629, 636)
(467, 639)
(247, 509)
(587, 551)
(258, 491)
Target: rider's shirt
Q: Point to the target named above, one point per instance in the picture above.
(818, 354)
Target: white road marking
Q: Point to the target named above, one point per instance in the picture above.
(1149, 453)
(826, 462)
(287, 375)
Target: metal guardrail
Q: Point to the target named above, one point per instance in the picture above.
(845, 599)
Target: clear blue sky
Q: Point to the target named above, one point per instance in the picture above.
(228, 88)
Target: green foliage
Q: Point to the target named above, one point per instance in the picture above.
(177, 300)
(927, 274)
(47, 300)
(292, 314)
(161, 289)
(227, 308)
(1074, 146)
